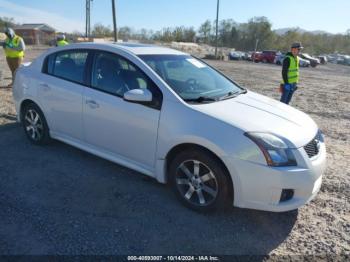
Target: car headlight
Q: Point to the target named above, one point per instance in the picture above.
(320, 136)
(275, 150)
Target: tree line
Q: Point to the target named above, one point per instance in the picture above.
(257, 32)
(6, 22)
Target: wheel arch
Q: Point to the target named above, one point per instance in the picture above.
(23, 105)
(191, 146)
(26, 102)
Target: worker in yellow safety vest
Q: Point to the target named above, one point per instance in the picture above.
(290, 73)
(61, 40)
(14, 50)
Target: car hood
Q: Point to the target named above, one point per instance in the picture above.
(252, 112)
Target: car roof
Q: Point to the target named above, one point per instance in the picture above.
(135, 48)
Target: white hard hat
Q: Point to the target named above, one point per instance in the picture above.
(9, 32)
(61, 37)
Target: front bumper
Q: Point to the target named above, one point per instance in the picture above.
(259, 186)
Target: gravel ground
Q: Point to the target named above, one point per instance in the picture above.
(60, 200)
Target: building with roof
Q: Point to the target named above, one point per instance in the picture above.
(36, 34)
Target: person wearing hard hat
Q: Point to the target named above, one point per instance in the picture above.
(290, 73)
(61, 40)
(14, 50)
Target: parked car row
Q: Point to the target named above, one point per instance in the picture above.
(313, 61)
(267, 56)
(264, 56)
(338, 59)
(237, 55)
(240, 55)
(276, 57)
(323, 59)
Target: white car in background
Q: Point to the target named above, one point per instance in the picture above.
(171, 116)
(302, 62)
(236, 55)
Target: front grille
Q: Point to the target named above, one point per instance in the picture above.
(312, 148)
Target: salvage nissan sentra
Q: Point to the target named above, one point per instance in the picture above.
(171, 116)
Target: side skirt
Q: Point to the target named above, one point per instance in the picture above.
(104, 154)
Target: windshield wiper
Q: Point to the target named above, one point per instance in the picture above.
(233, 94)
(201, 99)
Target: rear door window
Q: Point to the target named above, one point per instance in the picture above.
(68, 65)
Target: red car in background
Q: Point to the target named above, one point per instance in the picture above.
(264, 56)
(256, 57)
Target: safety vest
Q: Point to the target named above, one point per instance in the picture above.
(14, 42)
(62, 43)
(293, 70)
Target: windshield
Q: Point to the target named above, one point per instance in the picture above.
(190, 78)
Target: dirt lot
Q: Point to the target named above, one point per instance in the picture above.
(60, 200)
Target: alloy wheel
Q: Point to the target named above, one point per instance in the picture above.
(197, 183)
(33, 125)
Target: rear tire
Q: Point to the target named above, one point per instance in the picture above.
(200, 181)
(35, 125)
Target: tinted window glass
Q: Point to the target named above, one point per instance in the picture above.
(50, 64)
(116, 75)
(69, 65)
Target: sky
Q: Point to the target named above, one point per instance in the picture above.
(69, 15)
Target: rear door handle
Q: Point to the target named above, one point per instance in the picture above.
(92, 104)
(45, 87)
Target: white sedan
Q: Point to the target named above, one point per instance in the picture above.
(171, 116)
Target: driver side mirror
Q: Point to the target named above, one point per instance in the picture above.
(138, 96)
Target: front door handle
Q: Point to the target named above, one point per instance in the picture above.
(92, 104)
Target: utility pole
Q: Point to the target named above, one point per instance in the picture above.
(217, 28)
(256, 48)
(88, 18)
(114, 22)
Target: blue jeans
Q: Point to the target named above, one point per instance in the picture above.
(288, 91)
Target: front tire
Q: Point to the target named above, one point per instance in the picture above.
(200, 181)
(35, 125)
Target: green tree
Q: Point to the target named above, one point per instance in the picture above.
(99, 30)
(259, 28)
(125, 33)
(178, 34)
(283, 42)
(189, 35)
(6, 22)
(205, 31)
(225, 32)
